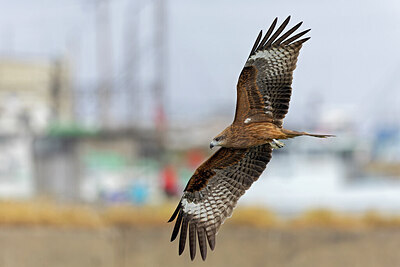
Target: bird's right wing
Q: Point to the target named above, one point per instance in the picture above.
(212, 193)
(265, 84)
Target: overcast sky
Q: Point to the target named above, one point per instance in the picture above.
(350, 67)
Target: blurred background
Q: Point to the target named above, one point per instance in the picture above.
(108, 106)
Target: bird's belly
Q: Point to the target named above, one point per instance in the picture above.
(263, 133)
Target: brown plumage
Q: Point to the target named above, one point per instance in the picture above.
(263, 95)
(212, 193)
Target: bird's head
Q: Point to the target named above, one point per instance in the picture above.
(220, 140)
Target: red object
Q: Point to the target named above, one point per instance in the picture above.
(169, 180)
(194, 158)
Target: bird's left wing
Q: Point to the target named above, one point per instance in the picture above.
(212, 193)
(265, 84)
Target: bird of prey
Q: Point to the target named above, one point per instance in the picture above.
(263, 95)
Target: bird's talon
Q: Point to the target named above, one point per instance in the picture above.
(277, 144)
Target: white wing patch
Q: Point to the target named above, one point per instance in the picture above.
(247, 120)
(202, 211)
(269, 54)
(190, 207)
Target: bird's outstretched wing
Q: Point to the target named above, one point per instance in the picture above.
(212, 193)
(264, 86)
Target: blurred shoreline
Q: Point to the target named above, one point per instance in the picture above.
(40, 214)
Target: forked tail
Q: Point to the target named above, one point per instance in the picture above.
(291, 134)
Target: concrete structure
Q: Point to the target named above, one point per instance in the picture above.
(34, 94)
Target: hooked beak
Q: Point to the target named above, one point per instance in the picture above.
(213, 144)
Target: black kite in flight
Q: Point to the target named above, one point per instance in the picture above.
(263, 95)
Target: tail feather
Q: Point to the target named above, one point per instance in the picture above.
(291, 134)
(320, 135)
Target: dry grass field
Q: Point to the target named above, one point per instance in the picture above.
(236, 246)
(38, 234)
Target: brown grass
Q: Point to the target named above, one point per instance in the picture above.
(255, 216)
(326, 218)
(126, 215)
(375, 219)
(48, 213)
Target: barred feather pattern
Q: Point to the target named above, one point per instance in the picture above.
(202, 212)
(274, 60)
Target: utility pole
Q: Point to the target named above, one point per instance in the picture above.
(56, 91)
(160, 57)
(132, 64)
(104, 63)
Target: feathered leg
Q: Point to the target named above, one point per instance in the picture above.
(276, 144)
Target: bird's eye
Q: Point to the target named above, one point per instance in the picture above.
(218, 138)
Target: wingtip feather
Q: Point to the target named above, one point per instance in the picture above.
(192, 240)
(176, 227)
(182, 238)
(304, 40)
(255, 46)
(175, 213)
(211, 241)
(295, 37)
(277, 33)
(202, 243)
(287, 34)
